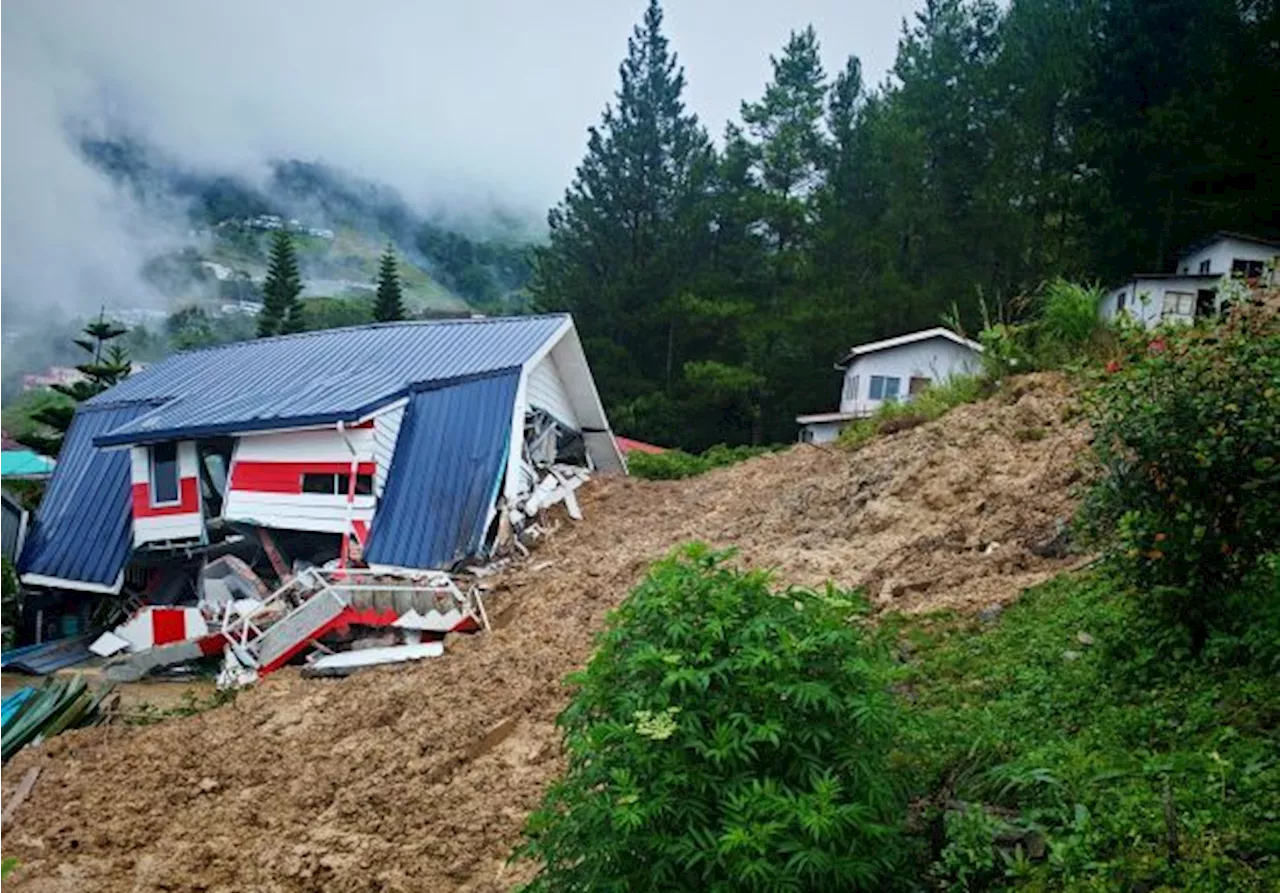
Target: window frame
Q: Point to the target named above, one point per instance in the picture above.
(1204, 267)
(153, 465)
(871, 392)
(892, 394)
(339, 482)
(1176, 311)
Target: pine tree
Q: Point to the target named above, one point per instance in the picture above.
(281, 308)
(625, 234)
(108, 365)
(388, 306)
(786, 127)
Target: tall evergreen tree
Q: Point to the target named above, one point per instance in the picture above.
(281, 306)
(624, 237)
(388, 306)
(108, 364)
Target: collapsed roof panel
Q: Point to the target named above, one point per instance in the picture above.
(82, 533)
(318, 377)
(449, 461)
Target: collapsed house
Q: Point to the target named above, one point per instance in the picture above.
(406, 450)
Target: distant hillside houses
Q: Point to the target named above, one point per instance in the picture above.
(269, 222)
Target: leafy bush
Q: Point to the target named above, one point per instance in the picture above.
(1063, 329)
(931, 403)
(674, 465)
(1187, 444)
(725, 737)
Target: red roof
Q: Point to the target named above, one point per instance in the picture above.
(627, 445)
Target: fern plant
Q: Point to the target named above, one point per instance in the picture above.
(725, 737)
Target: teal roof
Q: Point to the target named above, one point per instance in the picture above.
(24, 463)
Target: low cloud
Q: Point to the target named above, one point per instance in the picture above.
(463, 108)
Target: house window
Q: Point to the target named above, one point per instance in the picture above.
(1204, 266)
(1249, 269)
(850, 388)
(917, 384)
(336, 484)
(1178, 304)
(1119, 302)
(885, 387)
(164, 473)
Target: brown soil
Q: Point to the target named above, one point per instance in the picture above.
(418, 778)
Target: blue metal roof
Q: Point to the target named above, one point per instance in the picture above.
(449, 461)
(315, 377)
(82, 529)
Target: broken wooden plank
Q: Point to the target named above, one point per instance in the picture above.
(22, 793)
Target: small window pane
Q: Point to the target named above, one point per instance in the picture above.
(364, 485)
(164, 473)
(891, 386)
(877, 387)
(318, 483)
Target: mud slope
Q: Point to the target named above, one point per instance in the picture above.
(419, 778)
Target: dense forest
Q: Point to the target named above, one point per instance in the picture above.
(716, 282)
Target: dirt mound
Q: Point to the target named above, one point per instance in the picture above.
(420, 778)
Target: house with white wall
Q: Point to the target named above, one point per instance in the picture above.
(891, 370)
(1191, 290)
(413, 444)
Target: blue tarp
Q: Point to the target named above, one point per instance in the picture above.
(82, 531)
(449, 461)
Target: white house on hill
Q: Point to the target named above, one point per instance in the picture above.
(1191, 291)
(890, 370)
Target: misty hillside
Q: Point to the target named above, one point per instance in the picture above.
(341, 223)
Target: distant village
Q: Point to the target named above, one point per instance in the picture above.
(269, 222)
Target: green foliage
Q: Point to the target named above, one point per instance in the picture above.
(388, 306)
(10, 606)
(674, 465)
(108, 364)
(931, 403)
(282, 310)
(1185, 441)
(725, 737)
(1078, 754)
(333, 313)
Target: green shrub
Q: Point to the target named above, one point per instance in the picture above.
(931, 403)
(674, 465)
(1063, 330)
(1187, 444)
(725, 737)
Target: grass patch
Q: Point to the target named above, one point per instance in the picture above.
(674, 465)
(1071, 745)
(929, 404)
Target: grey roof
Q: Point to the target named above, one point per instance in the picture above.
(315, 377)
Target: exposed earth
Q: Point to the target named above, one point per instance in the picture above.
(419, 778)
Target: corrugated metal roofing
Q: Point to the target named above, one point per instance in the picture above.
(316, 377)
(49, 657)
(449, 462)
(81, 530)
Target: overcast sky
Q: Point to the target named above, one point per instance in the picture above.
(459, 105)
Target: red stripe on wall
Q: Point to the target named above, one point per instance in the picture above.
(286, 477)
(189, 502)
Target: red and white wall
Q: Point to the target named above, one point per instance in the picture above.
(265, 485)
(181, 520)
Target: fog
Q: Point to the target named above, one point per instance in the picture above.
(460, 107)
